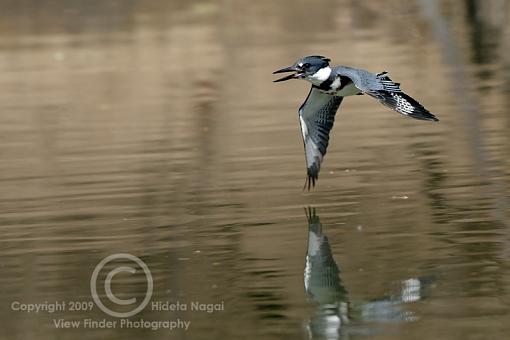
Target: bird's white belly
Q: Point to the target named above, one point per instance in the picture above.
(349, 90)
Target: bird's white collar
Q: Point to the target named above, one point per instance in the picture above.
(320, 76)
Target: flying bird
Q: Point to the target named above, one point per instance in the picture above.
(329, 87)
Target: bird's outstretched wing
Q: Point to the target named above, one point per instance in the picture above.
(382, 88)
(393, 97)
(317, 115)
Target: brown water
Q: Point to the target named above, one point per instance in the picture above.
(153, 128)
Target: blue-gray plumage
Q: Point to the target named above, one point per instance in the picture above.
(329, 86)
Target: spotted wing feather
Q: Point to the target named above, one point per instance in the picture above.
(317, 115)
(388, 92)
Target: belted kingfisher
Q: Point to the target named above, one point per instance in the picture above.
(329, 87)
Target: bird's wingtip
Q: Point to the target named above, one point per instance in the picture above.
(310, 182)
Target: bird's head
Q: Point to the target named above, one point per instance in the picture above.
(312, 68)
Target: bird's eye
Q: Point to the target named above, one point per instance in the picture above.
(306, 65)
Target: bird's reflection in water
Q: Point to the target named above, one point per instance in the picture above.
(336, 317)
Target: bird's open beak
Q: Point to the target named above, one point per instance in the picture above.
(290, 76)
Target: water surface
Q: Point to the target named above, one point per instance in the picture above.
(154, 129)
